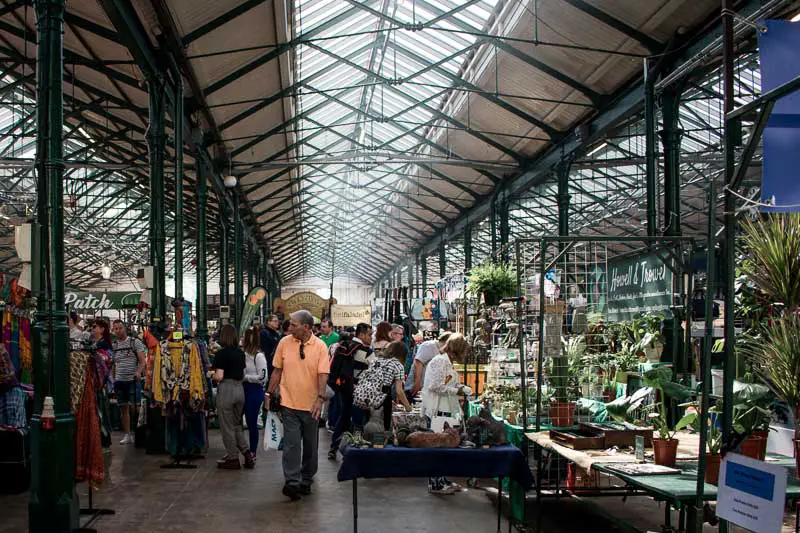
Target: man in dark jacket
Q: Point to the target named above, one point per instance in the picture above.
(268, 340)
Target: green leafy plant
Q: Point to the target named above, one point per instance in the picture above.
(491, 278)
(691, 420)
(751, 407)
(563, 367)
(772, 263)
(624, 409)
(660, 379)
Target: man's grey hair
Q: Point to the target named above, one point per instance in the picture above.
(303, 317)
(397, 326)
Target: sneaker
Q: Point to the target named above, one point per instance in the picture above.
(229, 464)
(249, 461)
(292, 492)
(332, 455)
(447, 490)
(127, 439)
(305, 489)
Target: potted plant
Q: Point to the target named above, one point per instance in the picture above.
(562, 410)
(713, 439)
(775, 356)
(493, 281)
(665, 446)
(751, 417)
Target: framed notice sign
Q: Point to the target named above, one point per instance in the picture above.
(752, 493)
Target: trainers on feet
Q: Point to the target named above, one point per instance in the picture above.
(332, 455)
(305, 489)
(292, 492)
(229, 464)
(126, 439)
(447, 490)
(249, 461)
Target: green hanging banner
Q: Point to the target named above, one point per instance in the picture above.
(82, 301)
(638, 285)
(252, 304)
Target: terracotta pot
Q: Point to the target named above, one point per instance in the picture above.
(751, 447)
(609, 395)
(764, 435)
(562, 414)
(665, 451)
(712, 468)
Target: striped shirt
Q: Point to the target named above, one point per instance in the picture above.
(126, 358)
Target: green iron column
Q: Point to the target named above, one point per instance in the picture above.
(468, 247)
(224, 275)
(250, 254)
(238, 251)
(202, 271)
(53, 504)
(412, 266)
(504, 229)
(671, 139)
(442, 260)
(423, 274)
(562, 175)
(178, 124)
(650, 150)
(493, 226)
(155, 140)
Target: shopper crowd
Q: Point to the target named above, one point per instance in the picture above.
(310, 374)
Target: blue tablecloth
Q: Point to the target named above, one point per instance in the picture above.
(499, 461)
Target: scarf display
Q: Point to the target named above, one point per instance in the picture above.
(8, 374)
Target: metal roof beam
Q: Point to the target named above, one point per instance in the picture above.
(221, 20)
(642, 38)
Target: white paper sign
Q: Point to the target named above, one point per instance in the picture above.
(752, 493)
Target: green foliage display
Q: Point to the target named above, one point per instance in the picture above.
(660, 379)
(772, 262)
(498, 279)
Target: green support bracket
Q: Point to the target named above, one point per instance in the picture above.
(411, 272)
(202, 269)
(53, 504)
(156, 139)
(238, 273)
(650, 151)
(423, 264)
(468, 247)
(504, 228)
(442, 260)
(493, 226)
(178, 108)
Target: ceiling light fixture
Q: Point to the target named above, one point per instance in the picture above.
(105, 272)
(230, 180)
(795, 18)
(597, 149)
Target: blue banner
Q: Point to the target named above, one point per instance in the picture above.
(780, 63)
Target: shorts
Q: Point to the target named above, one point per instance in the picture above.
(127, 392)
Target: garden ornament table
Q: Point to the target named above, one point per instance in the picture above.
(677, 490)
(390, 462)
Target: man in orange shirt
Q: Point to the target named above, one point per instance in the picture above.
(299, 377)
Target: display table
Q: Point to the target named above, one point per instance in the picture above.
(496, 462)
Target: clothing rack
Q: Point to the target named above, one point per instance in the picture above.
(93, 513)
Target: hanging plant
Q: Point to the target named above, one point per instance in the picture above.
(492, 280)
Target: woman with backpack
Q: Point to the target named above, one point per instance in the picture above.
(255, 379)
(381, 381)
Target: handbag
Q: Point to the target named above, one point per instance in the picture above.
(369, 392)
(273, 432)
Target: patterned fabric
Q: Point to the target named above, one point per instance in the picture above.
(25, 351)
(77, 376)
(8, 375)
(89, 464)
(12, 408)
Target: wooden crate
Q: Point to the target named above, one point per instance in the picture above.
(616, 434)
(577, 439)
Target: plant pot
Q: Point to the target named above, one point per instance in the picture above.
(491, 298)
(609, 395)
(665, 451)
(712, 468)
(751, 447)
(764, 435)
(562, 414)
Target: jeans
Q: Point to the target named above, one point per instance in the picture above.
(253, 398)
(230, 405)
(333, 411)
(351, 418)
(300, 446)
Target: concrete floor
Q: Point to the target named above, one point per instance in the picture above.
(150, 499)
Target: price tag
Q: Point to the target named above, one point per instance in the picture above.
(177, 335)
(639, 447)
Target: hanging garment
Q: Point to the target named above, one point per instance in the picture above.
(7, 330)
(8, 374)
(25, 351)
(14, 349)
(77, 377)
(89, 464)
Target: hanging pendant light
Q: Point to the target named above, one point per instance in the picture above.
(230, 180)
(105, 272)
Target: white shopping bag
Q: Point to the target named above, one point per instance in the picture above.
(273, 432)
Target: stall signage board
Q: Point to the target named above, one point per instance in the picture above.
(638, 285)
(350, 315)
(99, 301)
(306, 300)
(752, 493)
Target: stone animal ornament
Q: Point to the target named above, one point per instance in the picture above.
(483, 429)
(449, 438)
(373, 429)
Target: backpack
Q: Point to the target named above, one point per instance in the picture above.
(342, 373)
(370, 393)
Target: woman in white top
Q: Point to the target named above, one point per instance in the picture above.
(255, 379)
(440, 395)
